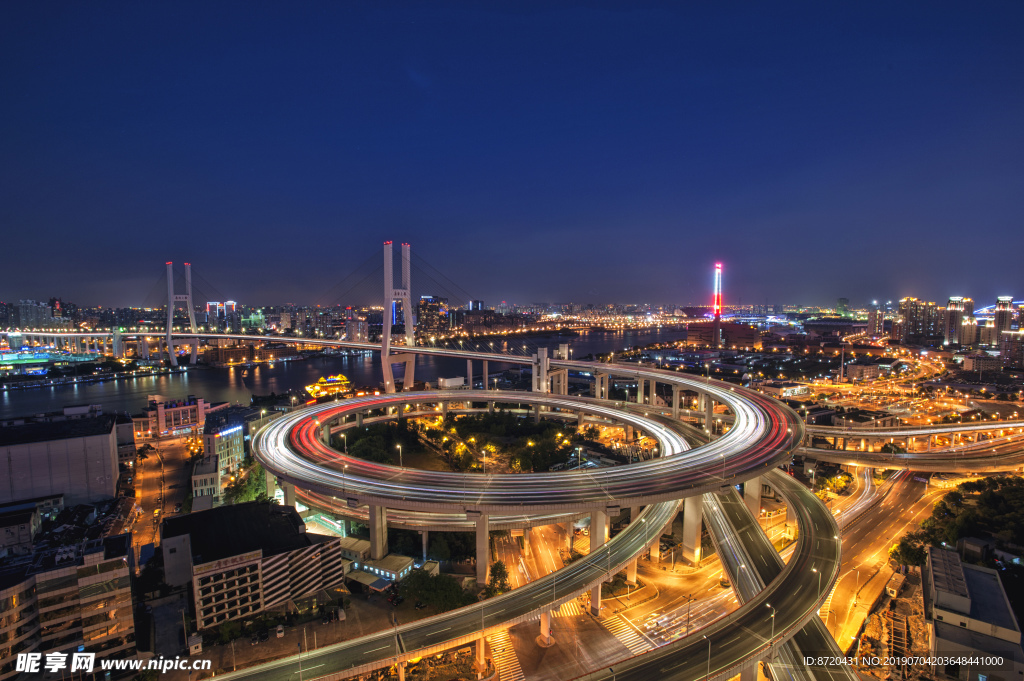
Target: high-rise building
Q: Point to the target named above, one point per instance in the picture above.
(432, 316)
(1004, 314)
(843, 307)
(954, 320)
(917, 318)
(876, 320)
(33, 315)
(475, 305)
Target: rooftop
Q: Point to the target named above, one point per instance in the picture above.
(56, 430)
(948, 573)
(988, 604)
(228, 531)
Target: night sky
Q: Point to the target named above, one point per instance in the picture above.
(532, 152)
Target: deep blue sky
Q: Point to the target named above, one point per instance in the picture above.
(531, 152)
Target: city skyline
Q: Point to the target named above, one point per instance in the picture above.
(846, 153)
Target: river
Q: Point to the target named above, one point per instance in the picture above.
(238, 384)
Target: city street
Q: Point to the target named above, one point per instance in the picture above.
(162, 481)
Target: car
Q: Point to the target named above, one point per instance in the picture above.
(177, 508)
(264, 635)
(280, 631)
(254, 640)
(420, 605)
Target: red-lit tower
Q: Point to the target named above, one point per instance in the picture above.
(717, 305)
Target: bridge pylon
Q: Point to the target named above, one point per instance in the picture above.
(392, 295)
(172, 299)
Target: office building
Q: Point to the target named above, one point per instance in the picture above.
(967, 614)
(67, 599)
(248, 558)
(475, 305)
(223, 442)
(77, 458)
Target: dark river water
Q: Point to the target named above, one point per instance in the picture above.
(238, 384)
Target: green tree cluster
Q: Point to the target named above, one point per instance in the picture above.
(497, 583)
(249, 485)
(441, 592)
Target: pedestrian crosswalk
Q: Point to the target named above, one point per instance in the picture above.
(570, 609)
(627, 634)
(504, 656)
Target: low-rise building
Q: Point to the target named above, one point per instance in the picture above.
(982, 363)
(865, 418)
(206, 487)
(171, 418)
(968, 615)
(76, 458)
(247, 558)
(783, 389)
(222, 442)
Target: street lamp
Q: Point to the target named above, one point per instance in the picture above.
(344, 442)
(401, 465)
(772, 641)
(819, 581)
(343, 472)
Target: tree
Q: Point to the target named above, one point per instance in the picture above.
(498, 583)
(438, 549)
(248, 486)
(441, 592)
(893, 448)
(228, 632)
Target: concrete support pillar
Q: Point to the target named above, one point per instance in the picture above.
(579, 420)
(483, 549)
(749, 674)
(486, 378)
(469, 374)
(526, 542)
(536, 413)
(481, 656)
(791, 521)
(709, 415)
(401, 671)
(567, 528)
(656, 546)
(490, 407)
(289, 493)
(545, 627)
(752, 495)
(444, 410)
(378, 532)
(653, 390)
(426, 541)
(347, 523)
(692, 524)
(640, 383)
(631, 572)
(271, 485)
(676, 390)
(359, 419)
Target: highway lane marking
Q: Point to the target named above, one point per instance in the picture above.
(376, 649)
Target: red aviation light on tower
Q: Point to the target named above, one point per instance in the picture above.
(716, 303)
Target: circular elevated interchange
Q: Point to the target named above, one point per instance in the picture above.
(762, 435)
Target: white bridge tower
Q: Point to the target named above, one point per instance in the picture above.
(172, 299)
(391, 295)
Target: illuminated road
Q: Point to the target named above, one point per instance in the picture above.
(292, 448)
